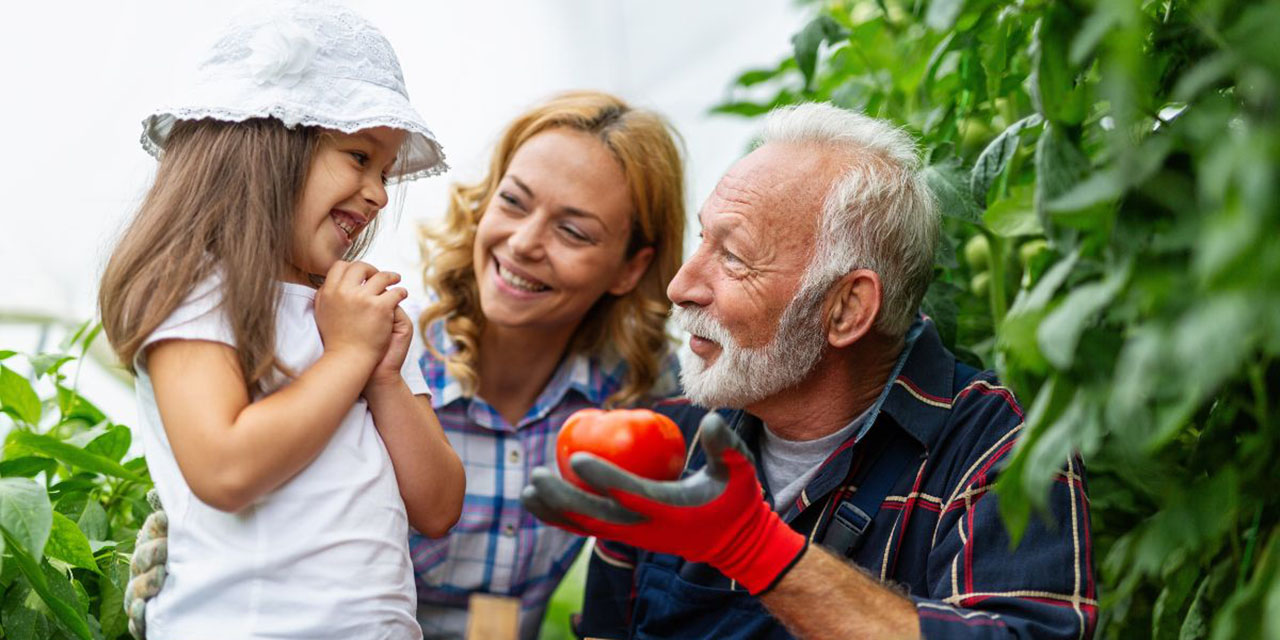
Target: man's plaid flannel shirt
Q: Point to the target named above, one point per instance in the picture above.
(938, 534)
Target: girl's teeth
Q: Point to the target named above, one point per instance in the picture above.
(345, 226)
(518, 282)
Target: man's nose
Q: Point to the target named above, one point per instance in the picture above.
(690, 286)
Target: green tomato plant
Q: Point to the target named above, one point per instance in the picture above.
(71, 502)
(1108, 171)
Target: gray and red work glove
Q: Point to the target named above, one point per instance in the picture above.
(716, 515)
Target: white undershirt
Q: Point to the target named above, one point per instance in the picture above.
(789, 465)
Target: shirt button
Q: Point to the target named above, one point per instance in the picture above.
(514, 456)
(509, 530)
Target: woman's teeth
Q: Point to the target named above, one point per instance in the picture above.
(520, 283)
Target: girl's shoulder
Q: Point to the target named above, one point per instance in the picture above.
(200, 316)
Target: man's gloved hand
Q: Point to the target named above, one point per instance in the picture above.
(716, 515)
(146, 567)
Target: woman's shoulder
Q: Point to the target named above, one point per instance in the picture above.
(611, 370)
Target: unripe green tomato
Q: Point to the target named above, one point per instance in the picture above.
(980, 283)
(1030, 249)
(977, 252)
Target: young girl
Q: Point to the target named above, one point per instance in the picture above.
(291, 443)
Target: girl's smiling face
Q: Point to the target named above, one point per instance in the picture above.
(554, 236)
(344, 190)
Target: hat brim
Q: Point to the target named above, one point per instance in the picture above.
(421, 156)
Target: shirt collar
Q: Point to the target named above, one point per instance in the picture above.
(918, 398)
(588, 376)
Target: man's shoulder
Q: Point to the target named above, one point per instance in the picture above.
(984, 422)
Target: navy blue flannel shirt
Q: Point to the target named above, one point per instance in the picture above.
(938, 534)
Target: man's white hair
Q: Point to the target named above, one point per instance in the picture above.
(878, 214)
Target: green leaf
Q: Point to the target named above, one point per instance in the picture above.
(69, 544)
(1053, 86)
(112, 444)
(25, 514)
(1039, 296)
(49, 363)
(1205, 603)
(993, 159)
(1059, 166)
(1208, 73)
(53, 588)
(943, 13)
(5, 354)
(1097, 189)
(807, 42)
(23, 614)
(74, 406)
(70, 455)
(1059, 332)
(951, 190)
(111, 590)
(27, 467)
(1091, 32)
(17, 398)
(940, 305)
(1013, 216)
(93, 521)
(1166, 618)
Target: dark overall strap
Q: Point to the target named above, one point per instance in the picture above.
(854, 514)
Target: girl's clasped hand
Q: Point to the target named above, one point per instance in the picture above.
(358, 314)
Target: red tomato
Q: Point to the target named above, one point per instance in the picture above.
(645, 443)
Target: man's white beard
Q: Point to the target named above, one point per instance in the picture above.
(740, 376)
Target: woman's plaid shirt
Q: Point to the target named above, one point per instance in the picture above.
(496, 547)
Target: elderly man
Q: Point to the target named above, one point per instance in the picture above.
(873, 446)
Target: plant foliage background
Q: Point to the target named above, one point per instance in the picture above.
(1108, 172)
(70, 503)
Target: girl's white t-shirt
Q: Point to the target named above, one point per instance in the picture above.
(323, 556)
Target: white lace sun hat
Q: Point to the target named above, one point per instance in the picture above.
(304, 63)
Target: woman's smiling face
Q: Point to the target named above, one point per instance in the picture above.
(554, 235)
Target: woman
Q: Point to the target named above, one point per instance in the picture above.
(550, 279)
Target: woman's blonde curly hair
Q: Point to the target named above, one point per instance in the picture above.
(632, 326)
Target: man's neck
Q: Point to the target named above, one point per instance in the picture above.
(845, 383)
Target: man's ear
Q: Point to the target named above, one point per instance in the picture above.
(632, 270)
(853, 307)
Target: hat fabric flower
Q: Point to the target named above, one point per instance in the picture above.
(281, 53)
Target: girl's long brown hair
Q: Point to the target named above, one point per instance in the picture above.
(633, 326)
(223, 203)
